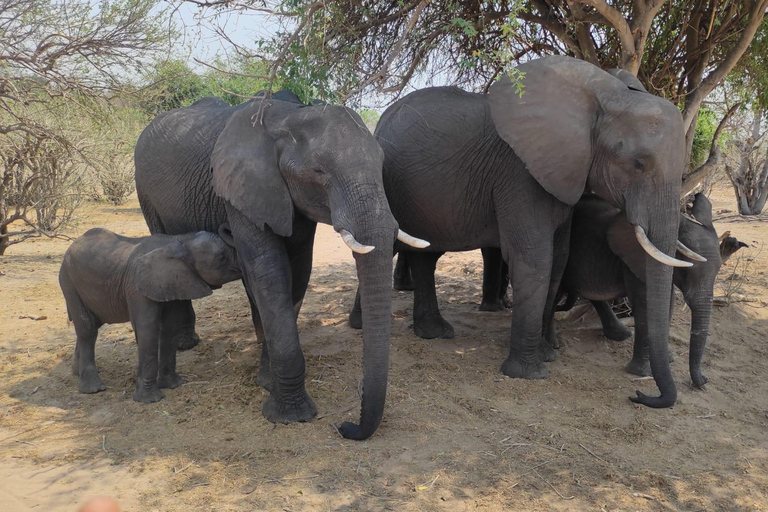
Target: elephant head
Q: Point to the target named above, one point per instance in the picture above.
(579, 129)
(187, 267)
(274, 158)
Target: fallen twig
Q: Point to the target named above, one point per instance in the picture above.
(553, 487)
(333, 413)
(177, 471)
(287, 478)
(43, 317)
(104, 444)
(592, 453)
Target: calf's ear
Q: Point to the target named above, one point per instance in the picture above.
(166, 274)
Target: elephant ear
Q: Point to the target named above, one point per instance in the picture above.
(550, 125)
(166, 274)
(702, 209)
(628, 78)
(246, 172)
(624, 244)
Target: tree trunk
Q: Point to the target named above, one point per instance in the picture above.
(750, 181)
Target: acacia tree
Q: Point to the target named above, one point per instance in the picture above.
(61, 61)
(679, 49)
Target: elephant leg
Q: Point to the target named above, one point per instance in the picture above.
(561, 244)
(492, 280)
(264, 375)
(87, 329)
(267, 273)
(530, 284)
(185, 315)
(84, 361)
(145, 318)
(300, 257)
(169, 326)
(403, 280)
(427, 321)
(613, 329)
(504, 286)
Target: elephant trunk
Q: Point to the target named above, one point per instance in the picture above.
(372, 224)
(661, 220)
(701, 309)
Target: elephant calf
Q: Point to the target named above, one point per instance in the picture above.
(108, 279)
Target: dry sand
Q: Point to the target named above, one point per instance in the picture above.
(456, 435)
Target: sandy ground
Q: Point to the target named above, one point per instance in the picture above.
(456, 434)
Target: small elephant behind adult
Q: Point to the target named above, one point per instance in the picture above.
(605, 264)
(108, 279)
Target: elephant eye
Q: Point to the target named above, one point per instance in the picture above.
(318, 171)
(640, 165)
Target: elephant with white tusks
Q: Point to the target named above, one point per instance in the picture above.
(504, 169)
(272, 168)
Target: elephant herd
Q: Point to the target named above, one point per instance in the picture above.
(579, 160)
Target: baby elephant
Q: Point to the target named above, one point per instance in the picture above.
(108, 279)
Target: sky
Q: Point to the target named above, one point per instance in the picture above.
(200, 40)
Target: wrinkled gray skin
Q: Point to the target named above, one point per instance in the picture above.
(467, 171)
(273, 175)
(109, 279)
(603, 269)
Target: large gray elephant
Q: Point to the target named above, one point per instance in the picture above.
(273, 168)
(468, 171)
(606, 264)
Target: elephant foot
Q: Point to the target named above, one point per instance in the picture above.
(296, 410)
(520, 370)
(90, 382)
(548, 352)
(169, 381)
(148, 394)
(506, 301)
(264, 377)
(187, 340)
(433, 327)
(699, 380)
(618, 332)
(356, 318)
(494, 305)
(640, 367)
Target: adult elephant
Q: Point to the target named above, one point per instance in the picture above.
(468, 171)
(273, 168)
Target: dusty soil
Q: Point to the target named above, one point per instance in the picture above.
(456, 434)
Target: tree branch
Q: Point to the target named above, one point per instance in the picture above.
(700, 174)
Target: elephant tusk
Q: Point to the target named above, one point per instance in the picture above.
(685, 251)
(353, 244)
(411, 240)
(655, 253)
(691, 218)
